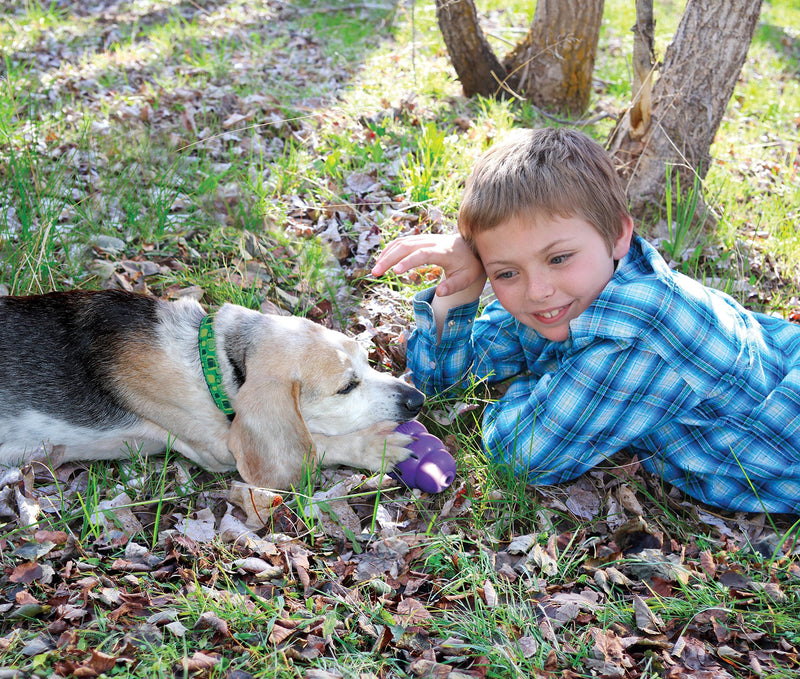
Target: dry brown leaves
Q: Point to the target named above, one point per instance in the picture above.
(360, 571)
(345, 566)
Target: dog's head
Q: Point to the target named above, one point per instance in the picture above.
(300, 379)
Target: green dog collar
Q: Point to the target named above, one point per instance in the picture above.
(207, 344)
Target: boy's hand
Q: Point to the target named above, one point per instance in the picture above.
(462, 269)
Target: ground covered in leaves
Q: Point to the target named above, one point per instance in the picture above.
(216, 150)
(365, 579)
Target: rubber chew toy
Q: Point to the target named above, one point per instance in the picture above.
(429, 466)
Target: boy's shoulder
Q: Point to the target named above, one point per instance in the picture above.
(645, 295)
(642, 277)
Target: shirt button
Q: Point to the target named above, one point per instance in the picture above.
(451, 323)
(432, 365)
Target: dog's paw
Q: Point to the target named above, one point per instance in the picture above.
(376, 448)
(384, 447)
(423, 463)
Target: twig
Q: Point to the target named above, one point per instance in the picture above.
(345, 8)
(562, 121)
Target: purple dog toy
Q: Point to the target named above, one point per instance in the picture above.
(429, 466)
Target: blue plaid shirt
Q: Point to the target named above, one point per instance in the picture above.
(706, 392)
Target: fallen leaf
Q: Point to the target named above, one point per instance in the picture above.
(628, 500)
(258, 503)
(200, 527)
(529, 646)
(116, 513)
(209, 620)
(521, 544)
(321, 674)
(489, 595)
(26, 573)
(708, 564)
(735, 580)
(251, 564)
(199, 662)
(546, 563)
(27, 509)
(101, 662)
(646, 620)
(583, 499)
(609, 655)
(411, 612)
(429, 669)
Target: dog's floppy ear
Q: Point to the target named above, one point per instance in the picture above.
(268, 438)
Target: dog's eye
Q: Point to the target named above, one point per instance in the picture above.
(352, 384)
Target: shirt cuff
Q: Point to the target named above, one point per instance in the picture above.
(457, 324)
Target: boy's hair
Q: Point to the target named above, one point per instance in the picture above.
(548, 172)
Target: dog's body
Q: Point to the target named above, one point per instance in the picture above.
(91, 375)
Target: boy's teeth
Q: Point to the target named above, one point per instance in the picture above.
(549, 314)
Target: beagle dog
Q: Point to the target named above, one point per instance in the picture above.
(99, 375)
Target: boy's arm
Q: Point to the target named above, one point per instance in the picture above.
(442, 305)
(595, 403)
(463, 278)
(464, 348)
(441, 350)
(439, 353)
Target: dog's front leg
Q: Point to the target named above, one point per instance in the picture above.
(376, 448)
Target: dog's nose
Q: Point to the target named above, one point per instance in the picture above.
(412, 401)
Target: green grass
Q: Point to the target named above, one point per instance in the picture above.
(219, 142)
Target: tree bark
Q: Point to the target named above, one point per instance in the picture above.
(701, 67)
(473, 59)
(643, 65)
(552, 67)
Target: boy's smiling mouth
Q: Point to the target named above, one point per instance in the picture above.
(552, 315)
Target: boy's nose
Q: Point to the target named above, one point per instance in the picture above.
(539, 289)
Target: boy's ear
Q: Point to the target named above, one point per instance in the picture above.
(623, 242)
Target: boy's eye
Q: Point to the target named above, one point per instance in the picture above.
(559, 259)
(505, 275)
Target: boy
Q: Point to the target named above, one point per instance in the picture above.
(610, 349)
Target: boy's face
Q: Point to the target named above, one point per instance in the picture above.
(547, 272)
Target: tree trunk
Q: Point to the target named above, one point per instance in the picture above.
(701, 67)
(552, 67)
(643, 65)
(476, 65)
